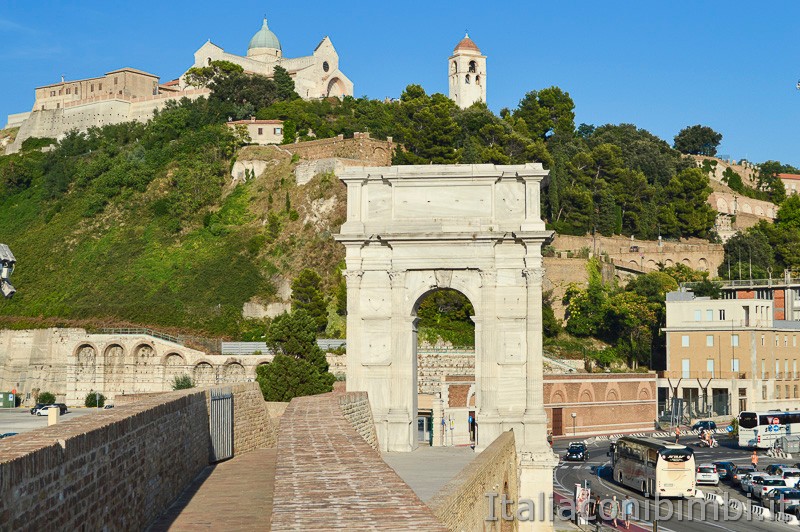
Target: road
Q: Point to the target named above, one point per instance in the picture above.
(20, 419)
(694, 515)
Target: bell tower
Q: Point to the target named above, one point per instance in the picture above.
(467, 73)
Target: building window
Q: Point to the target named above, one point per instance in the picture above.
(794, 368)
(710, 367)
(261, 131)
(734, 340)
(722, 314)
(777, 392)
(473, 66)
(278, 131)
(68, 91)
(685, 340)
(52, 93)
(91, 87)
(794, 390)
(60, 92)
(794, 340)
(685, 365)
(698, 315)
(785, 341)
(115, 80)
(762, 339)
(776, 340)
(763, 369)
(709, 315)
(478, 79)
(58, 106)
(777, 369)
(99, 86)
(466, 79)
(735, 365)
(786, 368)
(454, 68)
(325, 66)
(709, 340)
(763, 392)
(786, 390)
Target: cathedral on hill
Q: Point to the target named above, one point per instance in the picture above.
(315, 76)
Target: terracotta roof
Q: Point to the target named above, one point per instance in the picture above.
(467, 44)
(789, 176)
(256, 122)
(170, 83)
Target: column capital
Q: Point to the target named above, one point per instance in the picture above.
(353, 275)
(396, 277)
(533, 275)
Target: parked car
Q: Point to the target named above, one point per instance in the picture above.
(37, 407)
(45, 409)
(62, 408)
(577, 451)
(750, 480)
(8, 435)
(39, 410)
(107, 407)
(784, 498)
(773, 468)
(764, 490)
(704, 425)
(707, 474)
(725, 470)
(740, 470)
(790, 474)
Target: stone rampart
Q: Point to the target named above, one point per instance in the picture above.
(371, 152)
(355, 408)
(462, 503)
(113, 470)
(119, 469)
(356, 490)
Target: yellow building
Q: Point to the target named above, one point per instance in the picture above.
(728, 355)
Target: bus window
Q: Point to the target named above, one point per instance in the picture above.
(748, 420)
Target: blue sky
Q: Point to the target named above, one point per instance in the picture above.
(660, 65)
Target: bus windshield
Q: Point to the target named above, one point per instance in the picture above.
(676, 455)
(748, 420)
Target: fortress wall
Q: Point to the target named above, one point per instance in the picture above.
(355, 408)
(370, 152)
(462, 503)
(71, 362)
(117, 469)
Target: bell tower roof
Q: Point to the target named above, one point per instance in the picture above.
(466, 44)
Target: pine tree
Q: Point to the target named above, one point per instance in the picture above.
(307, 296)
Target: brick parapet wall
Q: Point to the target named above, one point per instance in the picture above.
(355, 408)
(371, 152)
(462, 503)
(113, 470)
(253, 428)
(327, 473)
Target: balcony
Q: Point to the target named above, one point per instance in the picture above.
(702, 375)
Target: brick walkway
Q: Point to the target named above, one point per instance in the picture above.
(233, 495)
(328, 477)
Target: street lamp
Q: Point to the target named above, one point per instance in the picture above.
(574, 415)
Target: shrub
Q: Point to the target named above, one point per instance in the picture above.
(94, 400)
(182, 382)
(46, 398)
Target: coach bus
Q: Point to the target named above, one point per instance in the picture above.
(761, 430)
(654, 467)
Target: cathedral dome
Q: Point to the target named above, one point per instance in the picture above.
(264, 39)
(467, 44)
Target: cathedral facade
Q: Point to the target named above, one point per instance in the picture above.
(315, 76)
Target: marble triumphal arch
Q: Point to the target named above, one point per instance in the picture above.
(473, 228)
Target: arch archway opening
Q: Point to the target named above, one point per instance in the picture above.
(444, 357)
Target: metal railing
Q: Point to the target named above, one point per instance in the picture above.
(142, 331)
(220, 424)
(678, 374)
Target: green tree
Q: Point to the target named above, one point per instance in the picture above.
(295, 334)
(94, 400)
(182, 382)
(546, 113)
(688, 212)
(284, 84)
(288, 377)
(698, 140)
(307, 295)
(46, 398)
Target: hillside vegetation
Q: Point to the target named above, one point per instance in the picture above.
(140, 223)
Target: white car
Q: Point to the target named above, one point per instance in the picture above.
(707, 474)
(790, 474)
(43, 411)
(764, 490)
(749, 479)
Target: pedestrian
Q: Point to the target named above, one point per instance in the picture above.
(592, 509)
(754, 460)
(627, 508)
(677, 434)
(615, 511)
(598, 508)
(550, 438)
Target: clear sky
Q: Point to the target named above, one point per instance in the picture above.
(660, 65)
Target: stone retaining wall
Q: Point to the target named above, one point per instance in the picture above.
(462, 503)
(253, 426)
(355, 408)
(372, 152)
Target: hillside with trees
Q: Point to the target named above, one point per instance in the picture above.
(141, 224)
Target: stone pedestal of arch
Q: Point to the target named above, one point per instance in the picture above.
(472, 228)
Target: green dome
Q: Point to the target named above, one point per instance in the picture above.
(264, 39)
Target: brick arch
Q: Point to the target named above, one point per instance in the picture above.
(586, 393)
(668, 263)
(204, 374)
(702, 264)
(233, 372)
(115, 370)
(644, 393)
(613, 393)
(558, 394)
(687, 262)
(747, 208)
(758, 211)
(722, 205)
(174, 366)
